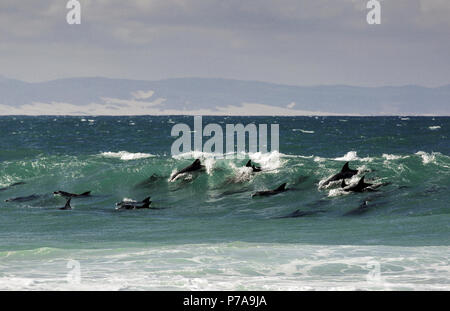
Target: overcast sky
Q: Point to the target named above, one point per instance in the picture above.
(294, 42)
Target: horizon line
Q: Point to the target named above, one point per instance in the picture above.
(216, 115)
(229, 79)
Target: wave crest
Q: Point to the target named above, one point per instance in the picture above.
(126, 156)
(352, 156)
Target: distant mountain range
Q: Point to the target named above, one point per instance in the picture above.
(103, 96)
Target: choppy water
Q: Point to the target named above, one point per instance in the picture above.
(210, 233)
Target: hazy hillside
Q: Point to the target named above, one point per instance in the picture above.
(214, 96)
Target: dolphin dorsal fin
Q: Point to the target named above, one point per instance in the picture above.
(249, 163)
(343, 184)
(361, 181)
(86, 193)
(68, 204)
(146, 200)
(345, 168)
(282, 187)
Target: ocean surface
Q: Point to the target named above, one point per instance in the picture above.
(208, 233)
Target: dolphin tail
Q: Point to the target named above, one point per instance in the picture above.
(67, 206)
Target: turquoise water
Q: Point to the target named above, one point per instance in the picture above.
(209, 233)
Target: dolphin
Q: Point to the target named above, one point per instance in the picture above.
(359, 187)
(254, 168)
(72, 195)
(318, 203)
(12, 185)
(362, 208)
(345, 173)
(280, 189)
(149, 181)
(299, 213)
(67, 206)
(195, 166)
(134, 205)
(23, 199)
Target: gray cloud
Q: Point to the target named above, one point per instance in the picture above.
(285, 41)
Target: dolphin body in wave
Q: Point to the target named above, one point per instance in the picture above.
(278, 190)
(299, 213)
(346, 172)
(195, 166)
(254, 168)
(12, 185)
(134, 205)
(361, 186)
(362, 208)
(72, 195)
(24, 199)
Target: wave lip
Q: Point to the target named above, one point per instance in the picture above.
(427, 157)
(303, 131)
(435, 127)
(393, 156)
(352, 156)
(126, 156)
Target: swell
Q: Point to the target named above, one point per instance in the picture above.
(416, 174)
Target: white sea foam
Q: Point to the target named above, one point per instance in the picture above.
(352, 156)
(393, 156)
(349, 156)
(303, 131)
(242, 173)
(337, 192)
(433, 128)
(319, 159)
(268, 160)
(427, 157)
(232, 266)
(209, 165)
(126, 156)
(197, 155)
